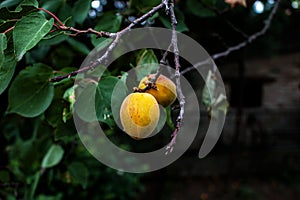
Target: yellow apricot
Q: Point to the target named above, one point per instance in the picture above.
(165, 92)
(139, 115)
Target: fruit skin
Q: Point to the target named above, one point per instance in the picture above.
(165, 94)
(139, 115)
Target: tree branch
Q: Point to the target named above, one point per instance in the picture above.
(181, 97)
(52, 15)
(9, 29)
(240, 45)
(251, 38)
(116, 37)
(62, 26)
(89, 30)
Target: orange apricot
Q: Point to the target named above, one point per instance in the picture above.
(165, 92)
(139, 115)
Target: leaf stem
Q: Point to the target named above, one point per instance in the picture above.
(9, 29)
(52, 15)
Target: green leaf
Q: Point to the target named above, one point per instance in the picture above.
(169, 121)
(146, 63)
(118, 95)
(78, 46)
(69, 96)
(110, 22)
(221, 104)
(84, 100)
(7, 70)
(65, 13)
(80, 10)
(3, 42)
(33, 3)
(4, 176)
(29, 31)
(7, 17)
(53, 156)
(197, 9)
(211, 2)
(124, 77)
(9, 3)
(54, 112)
(51, 5)
(6, 14)
(33, 185)
(208, 90)
(103, 99)
(162, 119)
(53, 39)
(146, 56)
(65, 131)
(3, 45)
(79, 172)
(31, 92)
(47, 197)
(180, 27)
(37, 55)
(11, 197)
(62, 56)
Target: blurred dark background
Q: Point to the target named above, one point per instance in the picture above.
(258, 154)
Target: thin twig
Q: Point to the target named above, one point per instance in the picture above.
(151, 82)
(116, 37)
(107, 34)
(9, 29)
(252, 37)
(240, 45)
(162, 63)
(197, 65)
(52, 15)
(144, 17)
(89, 30)
(63, 27)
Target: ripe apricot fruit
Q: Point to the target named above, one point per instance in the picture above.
(165, 92)
(139, 115)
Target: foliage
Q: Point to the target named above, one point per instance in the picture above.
(42, 157)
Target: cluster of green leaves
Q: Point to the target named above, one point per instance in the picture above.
(42, 156)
